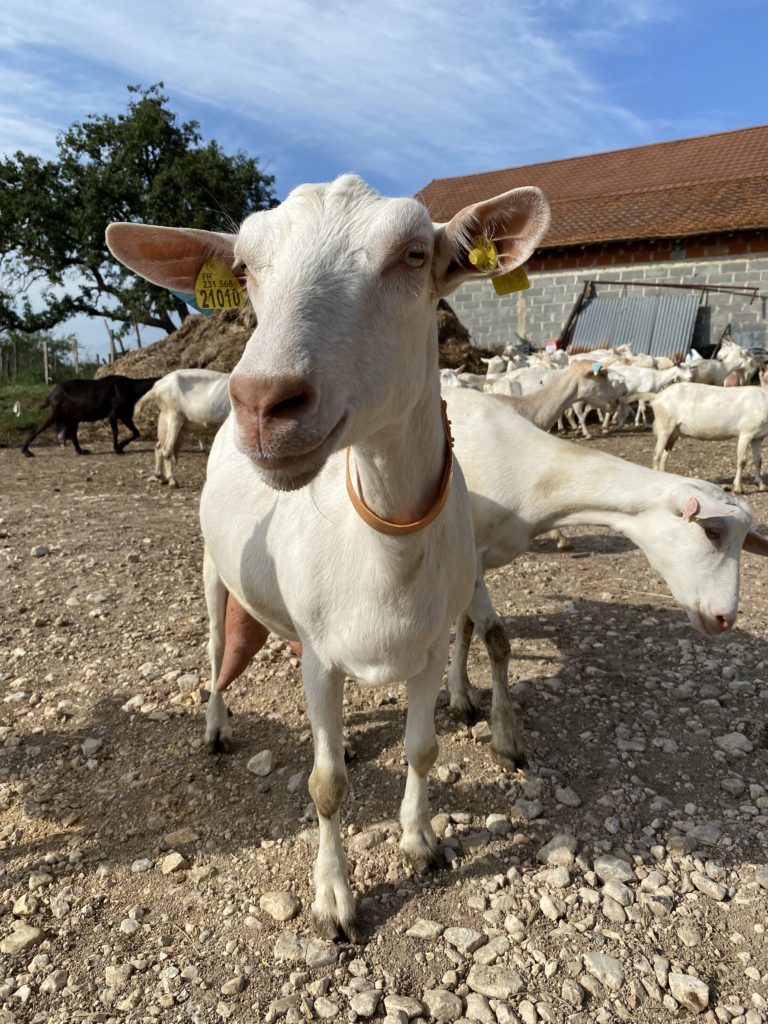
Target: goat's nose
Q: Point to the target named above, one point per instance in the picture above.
(273, 398)
(725, 622)
(272, 413)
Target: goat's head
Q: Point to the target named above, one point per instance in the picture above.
(344, 284)
(695, 542)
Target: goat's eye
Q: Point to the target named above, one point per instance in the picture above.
(416, 257)
(713, 534)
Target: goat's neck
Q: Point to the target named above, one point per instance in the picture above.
(398, 469)
(545, 406)
(596, 489)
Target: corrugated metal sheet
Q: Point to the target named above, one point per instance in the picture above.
(660, 325)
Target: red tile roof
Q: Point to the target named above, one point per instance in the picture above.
(696, 186)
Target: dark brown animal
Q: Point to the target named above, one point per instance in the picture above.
(85, 401)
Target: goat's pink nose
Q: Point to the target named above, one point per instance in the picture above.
(725, 621)
(269, 411)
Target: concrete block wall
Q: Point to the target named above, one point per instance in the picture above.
(540, 313)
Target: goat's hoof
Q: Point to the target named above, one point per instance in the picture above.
(28, 453)
(220, 743)
(468, 710)
(327, 928)
(172, 483)
(83, 451)
(422, 851)
(514, 761)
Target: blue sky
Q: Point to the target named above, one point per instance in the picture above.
(401, 92)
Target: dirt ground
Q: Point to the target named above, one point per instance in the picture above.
(103, 639)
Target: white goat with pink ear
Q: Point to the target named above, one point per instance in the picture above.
(345, 286)
(523, 482)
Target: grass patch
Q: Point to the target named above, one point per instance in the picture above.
(30, 397)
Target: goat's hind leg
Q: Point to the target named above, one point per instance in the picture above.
(507, 745)
(465, 702)
(419, 842)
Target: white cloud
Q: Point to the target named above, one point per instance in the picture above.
(400, 90)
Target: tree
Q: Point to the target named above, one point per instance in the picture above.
(142, 165)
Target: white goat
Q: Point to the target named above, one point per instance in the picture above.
(345, 286)
(196, 400)
(713, 414)
(524, 482)
(581, 382)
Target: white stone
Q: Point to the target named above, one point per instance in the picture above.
(607, 970)
(691, 992)
(281, 906)
(262, 763)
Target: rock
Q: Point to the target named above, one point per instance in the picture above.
(481, 732)
(320, 953)
(613, 869)
(233, 986)
(691, 992)
(91, 746)
(39, 880)
(403, 1004)
(498, 824)
(552, 907)
(128, 926)
(40, 551)
(366, 1003)
(567, 797)
(290, 946)
(495, 982)
(761, 877)
(479, 1009)
(734, 743)
(690, 936)
(261, 764)
(326, 1009)
(606, 969)
(423, 929)
(708, 886)
(173, 862)
(22, 939)
(442, 1004)
(141, 865)
(281, 906)
(528, 810)
(117, 977)
(180, 837)
(559, 851)
(55, 982)
(466, 940)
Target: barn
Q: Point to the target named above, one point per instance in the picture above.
(664, 245)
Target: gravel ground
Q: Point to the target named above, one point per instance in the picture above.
(623, 877)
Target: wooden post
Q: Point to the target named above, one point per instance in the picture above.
(75, 356)
(111, 343)
(45, 360)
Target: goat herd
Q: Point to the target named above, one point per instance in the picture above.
(334, 513)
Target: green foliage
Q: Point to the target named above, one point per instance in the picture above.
(142, 165)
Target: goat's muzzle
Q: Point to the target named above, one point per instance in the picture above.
(277, 427)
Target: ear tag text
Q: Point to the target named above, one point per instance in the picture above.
(483, 255)
(217, 287)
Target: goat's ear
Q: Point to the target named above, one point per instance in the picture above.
(755, 543)
(701, 506)
(169, 257)
(514, 222)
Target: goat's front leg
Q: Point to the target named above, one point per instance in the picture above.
(334, 907)
(218, 731)
(419, 842)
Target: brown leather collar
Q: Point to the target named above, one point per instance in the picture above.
(400, 529)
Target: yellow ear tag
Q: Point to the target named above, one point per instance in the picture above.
(515, 281)
(483, 255)
(217, 287)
